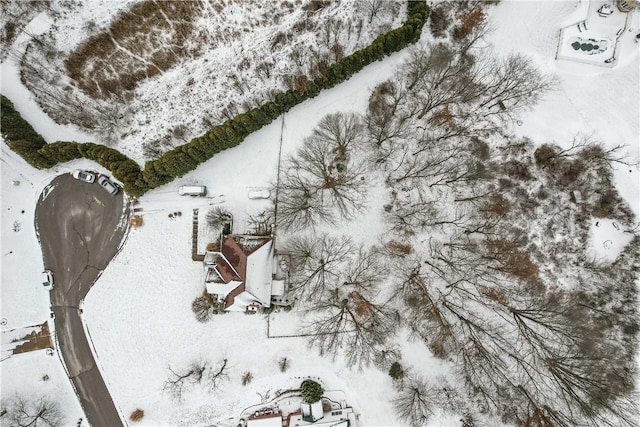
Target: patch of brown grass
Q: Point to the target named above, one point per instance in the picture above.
(154, 31)
(136, 221)
(35, 340)
(399, 249)
(136, 415)
(511, 259)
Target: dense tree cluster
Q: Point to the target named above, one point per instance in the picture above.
(496, 272)
(489, 263)
(311, 391)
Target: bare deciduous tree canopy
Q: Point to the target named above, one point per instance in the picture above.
(325, 179)
(26, 411)
(338, 284)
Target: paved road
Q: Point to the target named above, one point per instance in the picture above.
(80, 227)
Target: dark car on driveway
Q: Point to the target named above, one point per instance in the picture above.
(109, 186)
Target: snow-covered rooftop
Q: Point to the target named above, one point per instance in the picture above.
(259, 267)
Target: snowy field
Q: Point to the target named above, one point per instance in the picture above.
(139, 312)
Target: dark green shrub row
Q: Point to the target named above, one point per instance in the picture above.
(21, 137)
(185, 158)
(30, 145)
(123, 168)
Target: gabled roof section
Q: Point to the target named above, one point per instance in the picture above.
(230, 298)
(247, 262)
(236, 256)
(219, 269)
(259, 272)
(223, 289)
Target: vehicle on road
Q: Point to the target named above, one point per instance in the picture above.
(47, 279)
(259, 194)
(193, 190)
(108, 185)
(85, 176)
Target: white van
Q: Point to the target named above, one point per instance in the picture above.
(193, 190)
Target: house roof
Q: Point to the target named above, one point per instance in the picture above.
(336, 417)
(265, 420)
(244, 259)
(219, 269)
(236, 256)
(222, 289)
(259, 273)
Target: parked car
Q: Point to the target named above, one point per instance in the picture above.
(193, 190)
(108, 185)
(47, 279)
(85, 176)
(259, 194)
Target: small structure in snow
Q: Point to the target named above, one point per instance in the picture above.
(627, 6)
(593, 37)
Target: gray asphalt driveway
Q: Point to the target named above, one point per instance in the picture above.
(80, 228)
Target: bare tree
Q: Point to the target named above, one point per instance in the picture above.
(383, 121)
(218, 217)
(353, 322)
(318, 262)
(352, 315)
(418, 398)
(283, 363)
(386, 355)
(325, 178)
(181, 379)
(414, 403)
(460, 302)
(24, 411)
(261, 224)
(343, 130)
(216, 376)
(201, 307)
(373, 8)
(299, 205)
(247, 377)
(198, 372)
(422, 124)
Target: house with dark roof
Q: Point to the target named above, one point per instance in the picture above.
(241, 275)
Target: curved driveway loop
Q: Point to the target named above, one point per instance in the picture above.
(80, 228)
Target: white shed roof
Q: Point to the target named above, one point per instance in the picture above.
(274, 421)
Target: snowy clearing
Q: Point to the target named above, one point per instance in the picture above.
(139, 312)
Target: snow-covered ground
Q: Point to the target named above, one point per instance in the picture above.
(139, 312)
(24, 301)
(37, 374)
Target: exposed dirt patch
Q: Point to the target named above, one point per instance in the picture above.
(38, 338)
